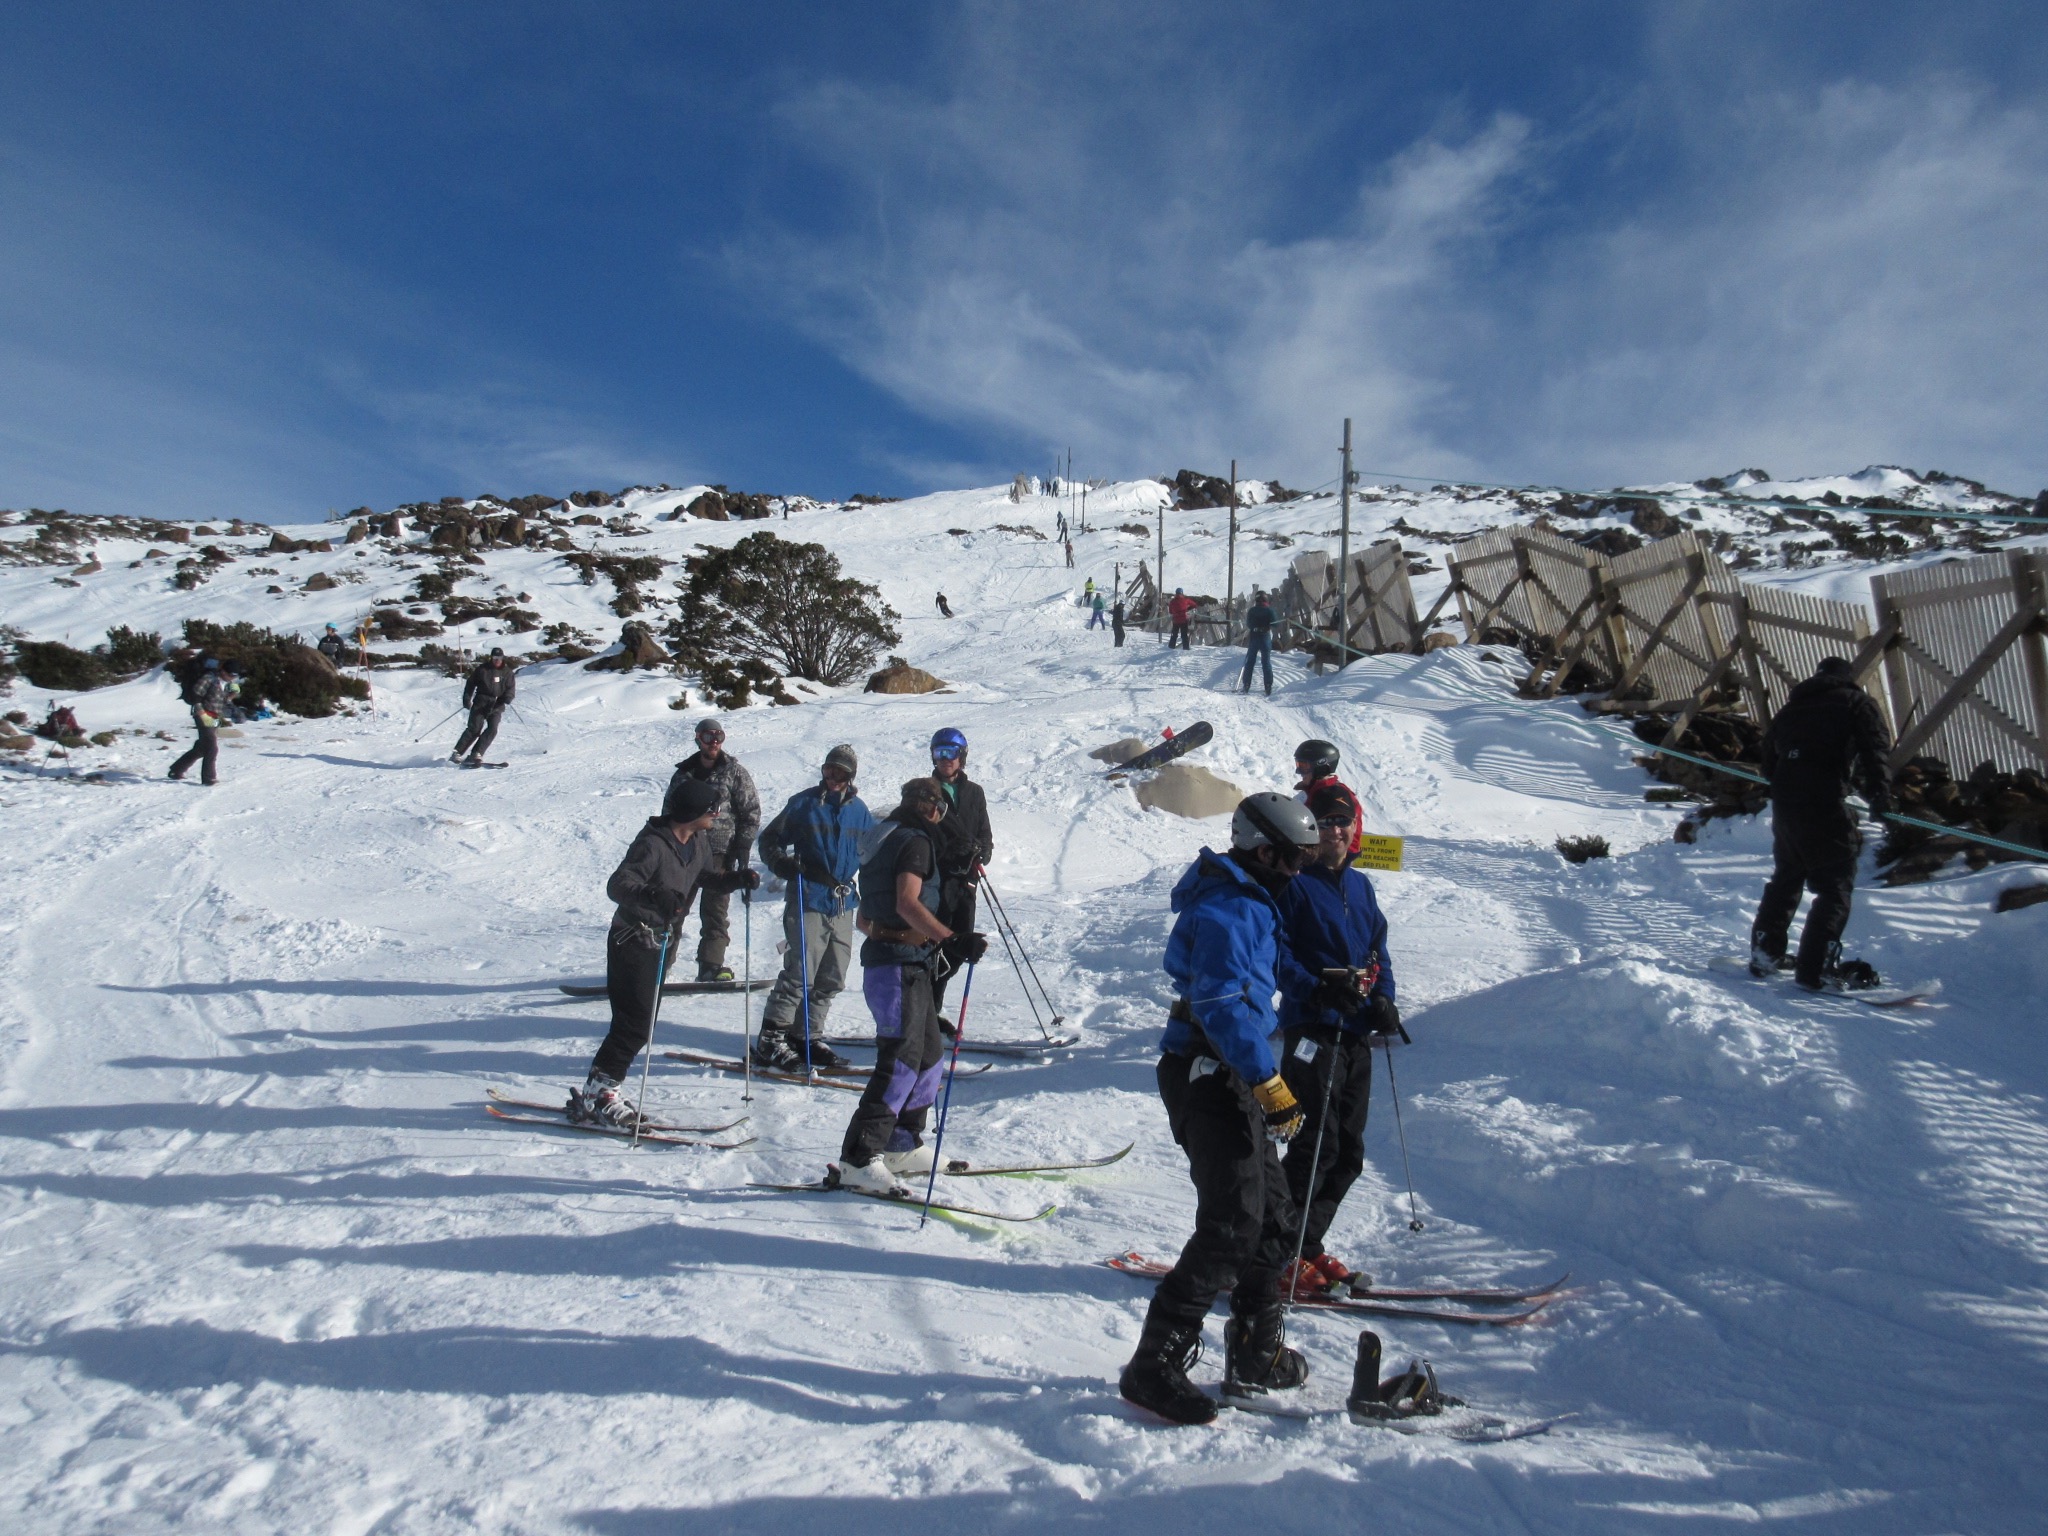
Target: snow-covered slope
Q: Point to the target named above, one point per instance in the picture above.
(269, 1265)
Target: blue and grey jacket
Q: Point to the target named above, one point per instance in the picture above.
(1329, 918)
(1221, 957)
(825, 838)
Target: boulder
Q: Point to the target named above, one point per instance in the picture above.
(1187, 789)
(320, 581)
(904, 680)
(1440, 639)
(357, 532)
(710, 506)
(637, 648)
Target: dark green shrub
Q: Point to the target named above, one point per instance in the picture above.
(130, 651)
(785, 604)
(54, 665)
(276, 669)
(1577, 850)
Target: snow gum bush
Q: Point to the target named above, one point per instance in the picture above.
(54, 665)
(276, 668)
(774, 601)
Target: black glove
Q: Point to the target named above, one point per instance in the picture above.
(1341, 996)
(736, 856)
(782, 865)
(1384, 1016)
(748, 880)
(970, 946)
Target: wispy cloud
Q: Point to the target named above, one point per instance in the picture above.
(1816, 278)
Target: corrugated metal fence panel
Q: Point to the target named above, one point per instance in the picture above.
(1952, 611)
(1782, 625)
(1650, 582)
(1561, 581)
(1487, 565)
(1380, 601)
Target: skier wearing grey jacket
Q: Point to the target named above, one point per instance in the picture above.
(729, 840)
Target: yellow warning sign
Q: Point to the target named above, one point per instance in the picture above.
(1375, 852)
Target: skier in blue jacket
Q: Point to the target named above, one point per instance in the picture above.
(814, 843)
(1330, 921)
(1227, 1103)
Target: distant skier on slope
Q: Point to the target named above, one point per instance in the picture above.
(212, 699)
(966, 843)
(816, 836)
(1116, 622)
(1180, 608)
(332, 646)
(1828, 734)
(900, 896)
(1227, 1103)
(1315, 767)
(731, 839)
(1098, 614)
(493, 683)
(1259, 620)
(945, 609)
(1330, 920)
(663, 869)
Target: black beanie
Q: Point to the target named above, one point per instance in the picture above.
(689, 800)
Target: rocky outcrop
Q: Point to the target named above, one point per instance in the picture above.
(904, 680)
(637, 649)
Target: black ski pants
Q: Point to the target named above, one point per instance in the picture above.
(1810, 850)
(481, 731)
(1116, 629)
(1337, 1070)
(956, 911)
(1179, 636)
(632, 982)
(1244, 1218)
(205, 752)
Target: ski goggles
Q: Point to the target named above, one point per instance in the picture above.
(946, 754)
(713, 735)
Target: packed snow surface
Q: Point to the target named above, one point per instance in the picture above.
(269, 1265)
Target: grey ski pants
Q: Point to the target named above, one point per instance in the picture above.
(829, 941)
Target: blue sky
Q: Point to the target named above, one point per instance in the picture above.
(280, 263)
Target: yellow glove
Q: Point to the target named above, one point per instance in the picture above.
(1283, 1115)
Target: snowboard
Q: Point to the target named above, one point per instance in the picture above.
(1467, 1425)
(675, 988)
(1904, 996)
(1196, 735)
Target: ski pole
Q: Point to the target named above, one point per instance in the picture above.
(747, 998)
(803, 960)
(647, 1061)
(946, 1102)
(1315, 1166)
(423, 735)
(1003, 918)
(1414, 1221)
(1003, 933)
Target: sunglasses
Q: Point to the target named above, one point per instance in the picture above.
(1333, 821)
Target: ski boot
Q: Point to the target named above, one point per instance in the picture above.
(909, 1160)
(1157, 1377)
(1340, 1277)
(1763, 963)
(825, 1059)
(455, 757)
(869, 1178)
(1413, 1393)
(1304, 1279)
(599, 1102)
(1256, 1358)
(773, 1053)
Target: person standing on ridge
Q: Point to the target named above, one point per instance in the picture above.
(900, 896)
(1828, 734)
(653, 885)
(1180, 608)
(730, 839)
(965, 843)
(1315, 767)
(1330, 920)
(1227, 1104)
(493, 684)
(817, 835)
(332, 646)
(211, 697)
(1259, 620)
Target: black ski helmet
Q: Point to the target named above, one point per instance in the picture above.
(1273, 818)
(1318, 756)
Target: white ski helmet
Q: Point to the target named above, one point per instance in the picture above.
(1272, 818)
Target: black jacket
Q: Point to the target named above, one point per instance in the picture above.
(490, 687)
(658, 879)
(963, 838)
(1828, 736)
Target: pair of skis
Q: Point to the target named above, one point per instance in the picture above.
(674, 988)
(656, 1131)
(1377, 1301)
(852, 1079)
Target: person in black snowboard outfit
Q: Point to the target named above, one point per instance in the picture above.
(965, 844)
(1828, 736)
(653, 886)
(1227, 1104)
(492, 685)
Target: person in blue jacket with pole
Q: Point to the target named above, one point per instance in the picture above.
(814, 844)
(1227, 1104)
(1336, 1004)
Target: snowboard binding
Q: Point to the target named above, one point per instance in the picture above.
(1409, 1394)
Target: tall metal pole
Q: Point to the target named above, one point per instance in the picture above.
(1230, 568)
(1344, 554)
(1162, 563)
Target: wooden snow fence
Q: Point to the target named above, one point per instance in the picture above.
(1965, 646)
(1379, 602)
(1553, 595)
